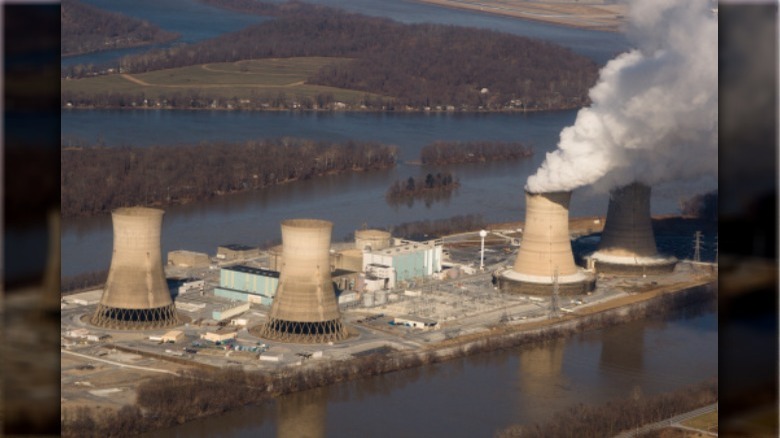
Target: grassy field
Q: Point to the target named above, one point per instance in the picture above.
(707, 422)
(234, 79)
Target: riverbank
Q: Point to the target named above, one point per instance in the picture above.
(191, 396)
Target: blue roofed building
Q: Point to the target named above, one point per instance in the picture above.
(246, 283)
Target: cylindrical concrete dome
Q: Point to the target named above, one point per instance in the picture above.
(136, 294)
(372, 240)
(305, 307)
(627, 243)
(545, 252)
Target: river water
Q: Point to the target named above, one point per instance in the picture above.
(476, 396)
(492, 190)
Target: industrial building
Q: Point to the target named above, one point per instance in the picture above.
(228, 311)
(404, 262)
(172, 336)
(245, 283)
(350, 259)
(545, 260)
(235, 251)
(136, 294)
(627, 244)
(305, 308)
(219, 336)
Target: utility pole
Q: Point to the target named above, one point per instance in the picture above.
(482, 234)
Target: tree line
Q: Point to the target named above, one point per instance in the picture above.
(83, 281)
(455, 152)
(97, 180)
(86, 29)
(701, 206)
(199, 99)
(419, 65)
(432, 229)
(430, 188)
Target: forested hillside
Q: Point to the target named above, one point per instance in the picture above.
(87, 29)
(419, 66)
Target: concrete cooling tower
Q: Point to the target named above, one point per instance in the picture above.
(136, 295)
(627, 243)
(545, 250)
(305, 307)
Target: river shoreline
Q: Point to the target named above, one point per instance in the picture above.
(393, 110)
(260, 388)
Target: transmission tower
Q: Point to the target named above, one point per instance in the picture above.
(554, 306)
(716, 249)
(697, 246)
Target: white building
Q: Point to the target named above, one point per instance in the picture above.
(406, 261)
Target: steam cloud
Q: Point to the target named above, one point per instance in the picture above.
(654, 111)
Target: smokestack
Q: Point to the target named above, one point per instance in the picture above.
(545, 251)
(305, 308)
(627, 244)
(136, 295)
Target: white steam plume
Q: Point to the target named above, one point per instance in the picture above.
(654, 111)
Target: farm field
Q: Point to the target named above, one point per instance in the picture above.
(707, 422)
(233, 79)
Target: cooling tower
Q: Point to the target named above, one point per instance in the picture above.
(627, 243)
(305, 307)
(372, 240)
(51, 277)
(545, 250)
(136, 295)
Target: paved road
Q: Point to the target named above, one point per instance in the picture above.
(120, 364)
(669, 422)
